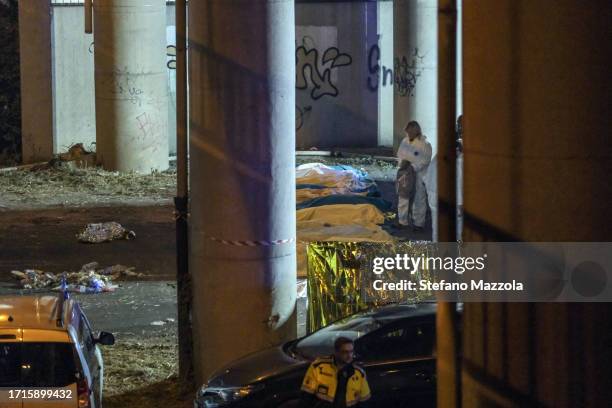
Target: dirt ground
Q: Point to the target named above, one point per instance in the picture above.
(45, 239)
(67, 187)
(40, 213)
(143, 374)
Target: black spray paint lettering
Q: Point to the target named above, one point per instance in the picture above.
(307, 59)
(171, 52)
(406, 73)
(123, 83)
(301, 115)
(374, 69)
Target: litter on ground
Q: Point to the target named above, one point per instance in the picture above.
(90, 279)
(104, 232)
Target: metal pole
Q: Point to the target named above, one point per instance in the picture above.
(88, 9)
(448, 338)
(181, 201)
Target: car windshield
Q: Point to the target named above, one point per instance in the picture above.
(322, 341)
(37, 365)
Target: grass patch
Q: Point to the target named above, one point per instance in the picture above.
(63, 185)
(144, 374)
(93, 181)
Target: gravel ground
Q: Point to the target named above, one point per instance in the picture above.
(144, 374)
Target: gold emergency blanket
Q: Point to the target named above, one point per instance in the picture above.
(338, 222)
(337, 281)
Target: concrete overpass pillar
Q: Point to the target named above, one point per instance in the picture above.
(415, 67)
(537, 163)
(242, 147)
(36, 84)
(131, 84)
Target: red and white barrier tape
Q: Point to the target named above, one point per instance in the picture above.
(250, 243)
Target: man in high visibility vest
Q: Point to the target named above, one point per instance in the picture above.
(336, 381)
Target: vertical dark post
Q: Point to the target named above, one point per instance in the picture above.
(181, 201)
(36, 80)
(448, 340)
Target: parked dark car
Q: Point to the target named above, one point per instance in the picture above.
(395, 344)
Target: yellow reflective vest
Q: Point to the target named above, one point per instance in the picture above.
(321, 379)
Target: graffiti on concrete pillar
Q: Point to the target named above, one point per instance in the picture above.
(125, 85)
(171, 54)
(404, 74)
(301, 114)
(407, 69)
(376, 77)
(318, 73)
(149, 127)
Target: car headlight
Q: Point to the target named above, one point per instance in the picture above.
(212, 397)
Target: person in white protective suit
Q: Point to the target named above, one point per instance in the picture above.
(416, 149)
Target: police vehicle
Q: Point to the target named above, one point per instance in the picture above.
(49, 355)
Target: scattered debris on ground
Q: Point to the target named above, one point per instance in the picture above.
(61, 185)
(104, 232)
(61, 182)
(143, 373)
(77, 156)
(163, 322)
(90, 279)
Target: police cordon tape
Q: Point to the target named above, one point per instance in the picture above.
(250, 243)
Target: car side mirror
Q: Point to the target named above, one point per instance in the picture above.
(105, 339)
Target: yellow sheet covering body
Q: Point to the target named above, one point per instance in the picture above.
(339, 222)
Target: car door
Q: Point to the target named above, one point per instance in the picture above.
(399, 363)
(48, 367)
(92, 357)
(10, 367)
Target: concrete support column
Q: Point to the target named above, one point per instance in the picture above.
(384, 13)
(131, 84)
(538, 161)
(242, 144)
(415, 67)
(36, 80)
